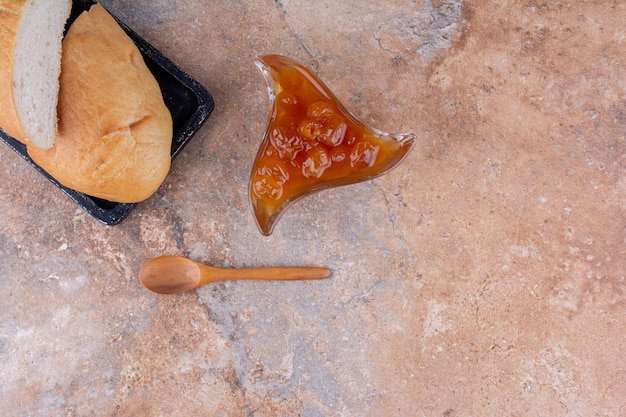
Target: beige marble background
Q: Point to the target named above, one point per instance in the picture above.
(483, 277)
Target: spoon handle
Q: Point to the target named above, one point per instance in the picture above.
(210, 274)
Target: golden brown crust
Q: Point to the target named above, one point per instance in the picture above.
(10, 13)
(115, 131)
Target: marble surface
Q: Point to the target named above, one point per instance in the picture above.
(484, 276)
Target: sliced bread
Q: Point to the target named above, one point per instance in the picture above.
(36, 68)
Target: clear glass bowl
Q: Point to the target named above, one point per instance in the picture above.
(312, 143)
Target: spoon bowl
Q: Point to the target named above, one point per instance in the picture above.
(175, 274)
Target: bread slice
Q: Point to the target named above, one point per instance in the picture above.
(10, 14)
(36, 68)
(115, 132)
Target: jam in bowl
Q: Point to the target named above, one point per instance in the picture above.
(312, 143)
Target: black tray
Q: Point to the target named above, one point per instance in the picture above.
(187, 100)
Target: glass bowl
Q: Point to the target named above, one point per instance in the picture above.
(312, 143)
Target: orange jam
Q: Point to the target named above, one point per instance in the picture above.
(312, 143)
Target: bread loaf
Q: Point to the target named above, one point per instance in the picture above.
(115, 132)
(10, 14)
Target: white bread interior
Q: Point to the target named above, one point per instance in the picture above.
(36, 68)
(10, 14)
(115, 132)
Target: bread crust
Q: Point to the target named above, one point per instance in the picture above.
(10, 14)
(115, 132)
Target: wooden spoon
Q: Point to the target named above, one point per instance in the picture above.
(173, 274)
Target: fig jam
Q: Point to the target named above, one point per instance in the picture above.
(312, 143)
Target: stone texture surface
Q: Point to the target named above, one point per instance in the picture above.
(484, 276)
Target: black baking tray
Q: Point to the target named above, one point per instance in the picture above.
(189, 103)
